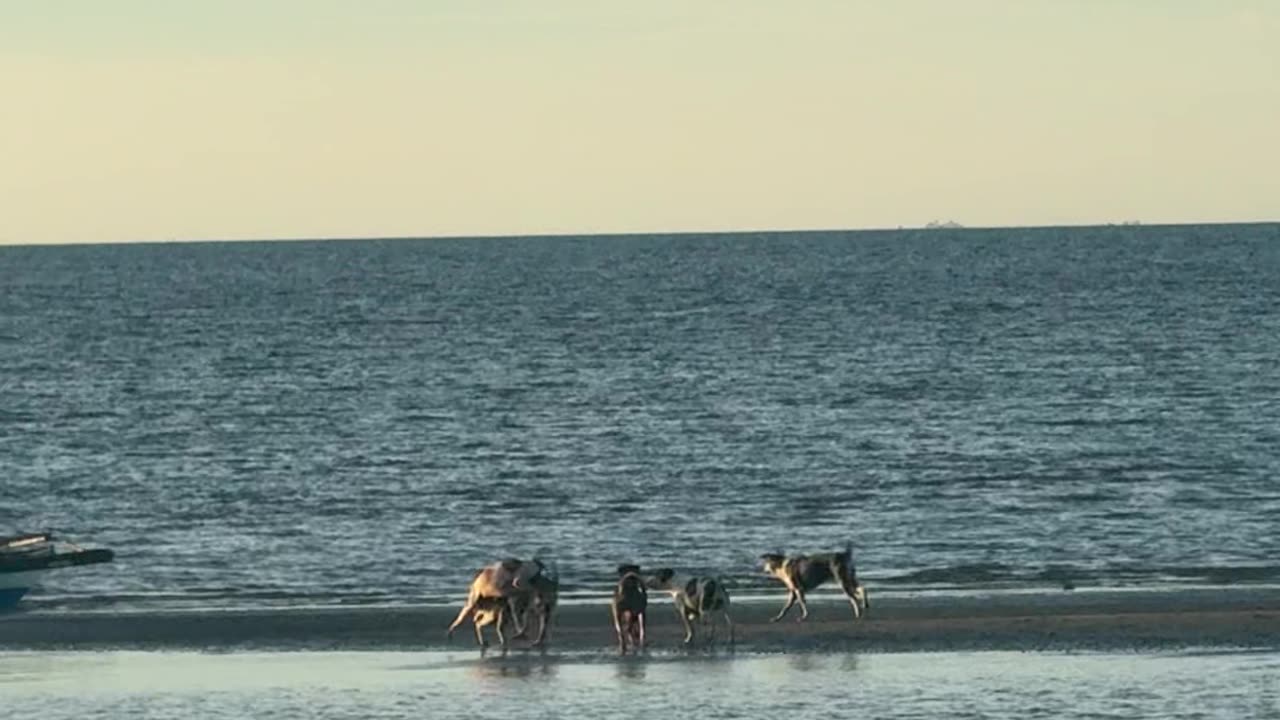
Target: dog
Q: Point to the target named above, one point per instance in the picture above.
(543, 594)
(695, 599)
(802, 573)
(524, 587)
(630, 602)
(490, 611)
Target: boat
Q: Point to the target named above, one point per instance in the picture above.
(24, 557)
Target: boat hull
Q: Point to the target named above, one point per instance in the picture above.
(13, 586)
(26, 557)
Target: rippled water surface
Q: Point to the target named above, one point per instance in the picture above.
(360, 422)
(139, 686)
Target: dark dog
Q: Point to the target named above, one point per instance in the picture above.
(524, 586)
(802, 573)
(695, 599)
(630, 601)
(543, 592)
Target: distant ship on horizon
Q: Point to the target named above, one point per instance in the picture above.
(944, 225)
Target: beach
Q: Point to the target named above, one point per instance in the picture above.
(1175, 653)
(1018, 621)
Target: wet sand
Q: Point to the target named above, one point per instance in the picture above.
(1081, 620)
(160, 685)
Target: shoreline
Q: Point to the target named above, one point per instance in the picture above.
(1049, 621)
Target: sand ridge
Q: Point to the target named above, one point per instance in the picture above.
(1103, 620)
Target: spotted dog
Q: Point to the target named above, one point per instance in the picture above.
(802, 573)
(630, 601)
(695, 599)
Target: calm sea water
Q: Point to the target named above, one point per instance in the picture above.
(142, 686)
(369, 421)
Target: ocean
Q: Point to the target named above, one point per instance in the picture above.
(366, 422)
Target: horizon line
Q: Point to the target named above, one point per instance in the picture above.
(615, 234)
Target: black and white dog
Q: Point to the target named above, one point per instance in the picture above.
(630, 602)
(695, 599)
(802, 573)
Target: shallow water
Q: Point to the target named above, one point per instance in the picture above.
(140, 686)
(367, 422)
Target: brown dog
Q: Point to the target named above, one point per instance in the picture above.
(802, 573)
(630, 601)
(524, 586)
(490, 611)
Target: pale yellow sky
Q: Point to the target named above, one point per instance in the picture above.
(157, 120)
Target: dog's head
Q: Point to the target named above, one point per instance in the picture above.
(628, 569)
(773, 563)
(526, 573)
(546, 591)
(861, 597)
(545, 583)
(660, 579)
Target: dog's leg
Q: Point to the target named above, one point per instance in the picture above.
(543, 614)
(727, 620)
(502, 618)
(804, 609)
(684, 620)
(472, 598)
(544, 621)
(617, 629)
(642, 622)
(517, 617)
(791, 600)
(851, 590)
(479, 621)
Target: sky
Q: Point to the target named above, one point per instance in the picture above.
(157, 120)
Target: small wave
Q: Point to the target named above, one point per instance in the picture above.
(997, 575)
(957, 575)
(1093, 422)
(426, 417)
(1223, 574)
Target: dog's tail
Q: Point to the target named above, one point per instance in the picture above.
(844, 562)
